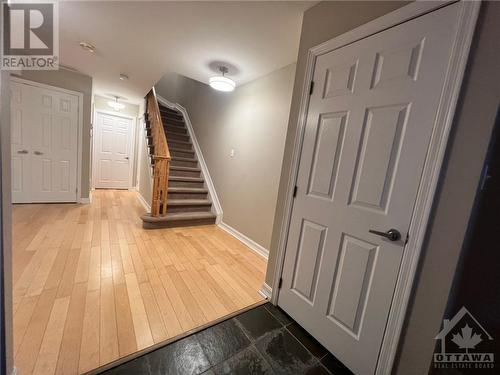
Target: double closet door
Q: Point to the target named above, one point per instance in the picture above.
(44, 144)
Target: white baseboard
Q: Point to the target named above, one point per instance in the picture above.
(86, 200)
(262, 251)
(266, 291)
(145, 204)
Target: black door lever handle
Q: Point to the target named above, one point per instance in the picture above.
(391, 234)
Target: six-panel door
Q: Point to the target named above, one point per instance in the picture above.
(44, 142)
(369, 124)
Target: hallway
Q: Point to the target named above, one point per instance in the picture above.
(92, 286)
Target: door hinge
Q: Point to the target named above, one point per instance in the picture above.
(295, 191)
(407, 238)
(280, 283)
(311, 88)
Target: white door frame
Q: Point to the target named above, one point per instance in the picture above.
(469, 11)
(132, 144)
(79, 140)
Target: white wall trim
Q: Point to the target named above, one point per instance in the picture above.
(201, 160)
(261, 250)
(468, 16)
(86, 200)
(143, 201)
(79, 151)
(266, 291)
(143, 147)
(133, 132)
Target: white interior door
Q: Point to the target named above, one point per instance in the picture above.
(44, 143)
(368, 128)
(113, 151)
(20, 143)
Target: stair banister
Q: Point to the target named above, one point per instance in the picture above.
(161, 156)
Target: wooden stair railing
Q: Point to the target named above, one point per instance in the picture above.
(161, 156)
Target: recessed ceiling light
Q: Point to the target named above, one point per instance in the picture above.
(222, 83)
(87, 47)
(124, 77)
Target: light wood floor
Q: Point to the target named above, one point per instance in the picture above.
(91, 286)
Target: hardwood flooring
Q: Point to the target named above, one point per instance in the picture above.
(91, 286)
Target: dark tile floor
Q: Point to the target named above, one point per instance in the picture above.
(263, 340)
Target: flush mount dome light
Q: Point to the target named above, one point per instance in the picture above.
(115, 105)
(222, 83)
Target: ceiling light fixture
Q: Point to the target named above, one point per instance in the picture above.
(123, 77)
(115, 105)
(87, 47)
(222, 83)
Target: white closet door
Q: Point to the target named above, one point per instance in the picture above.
(20, 143)
(44, 144)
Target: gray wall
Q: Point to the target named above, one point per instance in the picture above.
(320, 23)
(251, 120)
(70, 80)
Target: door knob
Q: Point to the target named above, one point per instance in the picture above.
(38, 153)
(22, 152)
(391, 234)
(126, 157)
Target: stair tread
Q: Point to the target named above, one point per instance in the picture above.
(188, 202)
(168, 118)
(167, 109)
(186, 190)
(174, 216)
(170, 111)
(182, 168)
(178, 141)
(167, 125)
(186, 178)
(180, 150)
(169, 130)
(181, 158)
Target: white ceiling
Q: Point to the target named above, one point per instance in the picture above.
(145, 40)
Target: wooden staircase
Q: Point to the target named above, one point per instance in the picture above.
(184, 201)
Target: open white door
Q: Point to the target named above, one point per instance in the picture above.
(368, 129)
(113, 151)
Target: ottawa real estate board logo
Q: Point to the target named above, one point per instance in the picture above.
(464, 344)
(30, 36)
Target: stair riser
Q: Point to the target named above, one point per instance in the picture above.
(184, 173)
(186, 184)
(180, 223)
(172, 209)
(184, 146)
(178, 137)
(172, 195)
(172, 121)
(170, 113)
(184, 163)
(175, 130)
(182, 154)
(176, 121)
